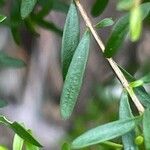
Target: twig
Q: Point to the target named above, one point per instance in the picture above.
(112, 63)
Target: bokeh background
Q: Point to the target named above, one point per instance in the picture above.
(33, 92)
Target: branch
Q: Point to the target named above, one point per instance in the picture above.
(112, 63)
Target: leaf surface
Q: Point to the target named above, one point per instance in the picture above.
(27, 7)
(105, 132)
(120, 30)
(104, 23)
(98, 7)
(20, 130)
(70, 38)
(125, 113)
(17, 142)
(75, 76)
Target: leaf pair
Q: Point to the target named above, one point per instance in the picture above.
(20, 130)
(74, 58)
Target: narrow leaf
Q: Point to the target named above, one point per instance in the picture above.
(27, 7)
(146, 128)
(105, 132)
(17, 142)
(70, 38)
(24, 134)
(143, 96)
(125, 113)
(20, 130)
(74, 77)
(104, 23)
(124, 108)
(135, 23)
(118, 34)
(99, 7)
(2, 18)
(30, 146)
(120, 30)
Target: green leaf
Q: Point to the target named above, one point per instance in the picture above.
(143, 96)
(26, 7)
(136, 83)
(146, 128)
(75, 76)
(7, 61)
(141, 93)
(99, 7)
(124, 108)
(29, 146)
(17, 142)
(125, 113)
(2, 18)
(104, 23)
(105, 132)
(70, 38)
(135, 23)
(24, 134)
(120, 30)
(20, 130)
(66, 146)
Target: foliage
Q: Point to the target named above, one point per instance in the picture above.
(131, 126)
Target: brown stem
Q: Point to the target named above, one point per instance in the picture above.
(112, 63)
